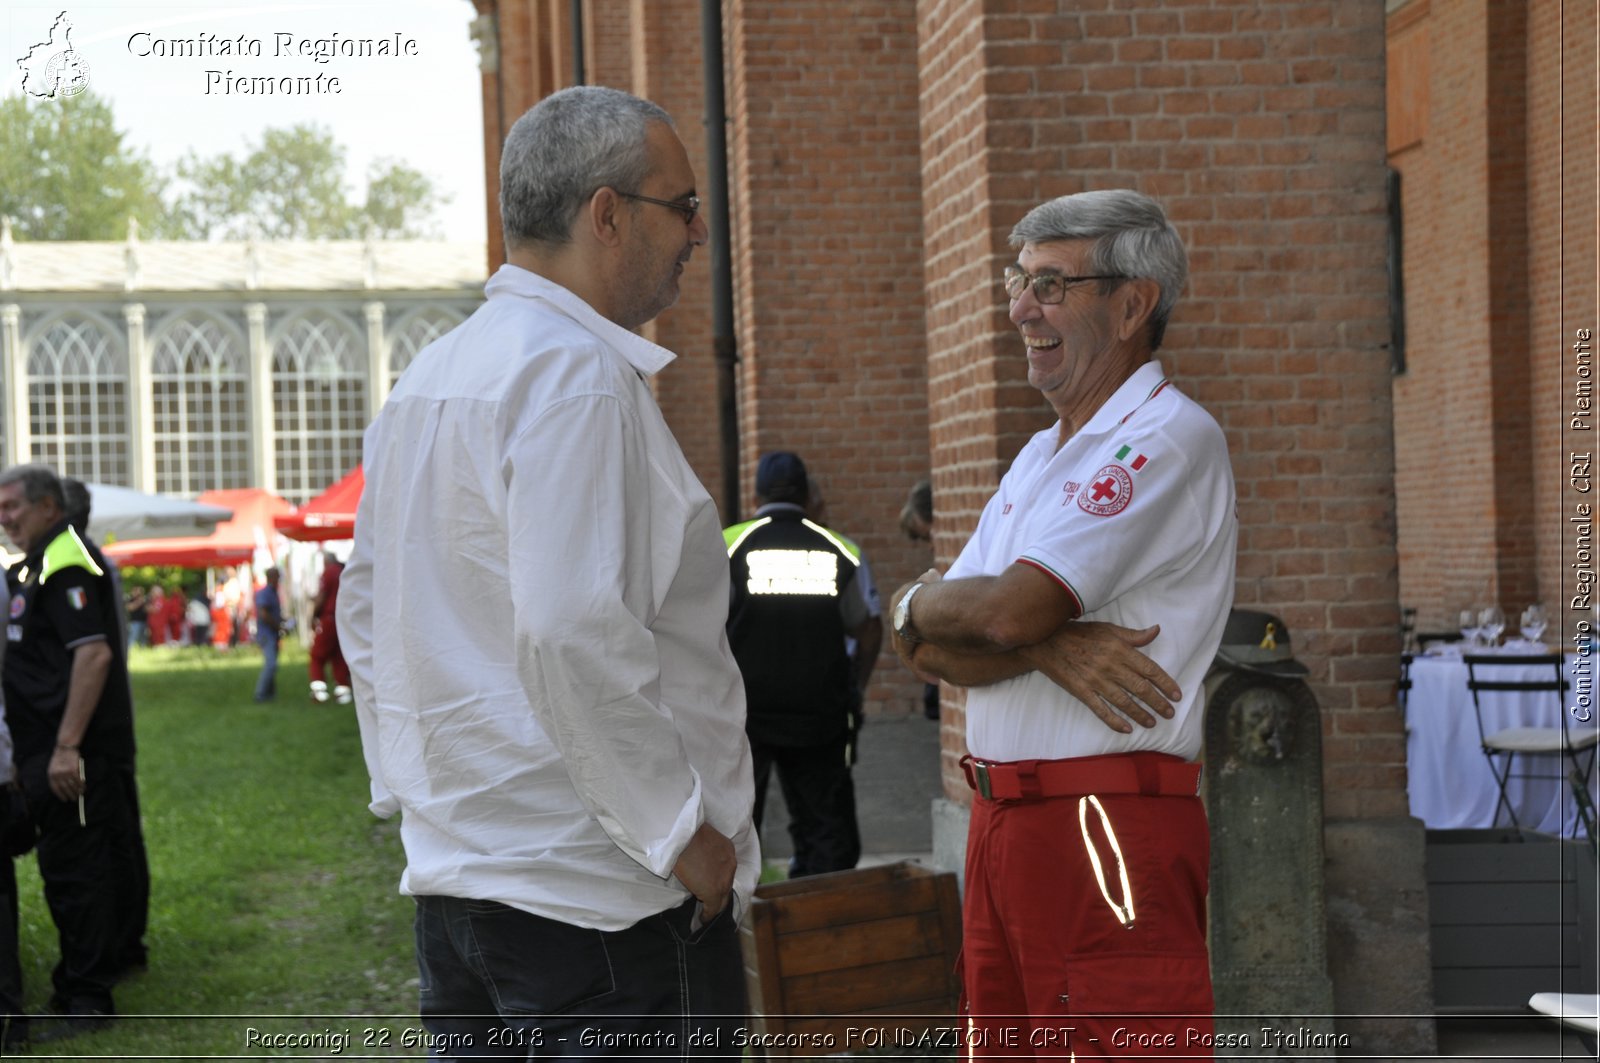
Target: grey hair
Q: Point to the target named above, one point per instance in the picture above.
(569, 146)
(1132, 237)
(38, 483)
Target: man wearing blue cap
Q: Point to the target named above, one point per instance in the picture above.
(797, 595)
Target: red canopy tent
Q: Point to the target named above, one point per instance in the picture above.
(233, 542)
(331, 515)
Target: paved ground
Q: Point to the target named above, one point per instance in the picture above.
(897, 778)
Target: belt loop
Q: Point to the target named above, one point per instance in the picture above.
(1028, 779)
(977, 773)
(1148, 771)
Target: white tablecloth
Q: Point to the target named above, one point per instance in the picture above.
(1449, 780)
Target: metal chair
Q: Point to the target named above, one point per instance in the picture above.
(1510, 741)
(1402, 691)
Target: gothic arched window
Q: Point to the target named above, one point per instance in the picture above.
(200, 388)
(415, 333)
(319, 404)
(78, 401)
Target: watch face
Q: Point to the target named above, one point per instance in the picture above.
(902, 613)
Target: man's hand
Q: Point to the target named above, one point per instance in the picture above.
(706, 866)
(65, 774)
(1101, 665)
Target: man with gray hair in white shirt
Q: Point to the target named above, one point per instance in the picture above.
(533, 618)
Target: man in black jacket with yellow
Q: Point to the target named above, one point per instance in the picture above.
(795, 597)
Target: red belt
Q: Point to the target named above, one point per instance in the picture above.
(1151, 774)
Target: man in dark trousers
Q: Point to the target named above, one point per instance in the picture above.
(269, 629)
(134, 894)
(795, 597)
(67, 703)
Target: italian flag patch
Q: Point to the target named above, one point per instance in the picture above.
(1139, 461)
(76, 598)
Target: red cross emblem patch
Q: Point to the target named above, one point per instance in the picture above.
(18, 604)
(1107, 492)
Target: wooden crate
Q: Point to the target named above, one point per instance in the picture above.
(875, 948)
(1511, 913)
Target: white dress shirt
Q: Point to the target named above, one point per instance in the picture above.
(534, 615)
(1134, 517)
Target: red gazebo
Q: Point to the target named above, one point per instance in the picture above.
(331, 515)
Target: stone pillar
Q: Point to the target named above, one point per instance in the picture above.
(14, 411)
(262, 450)
(377, 360)
(141, 403)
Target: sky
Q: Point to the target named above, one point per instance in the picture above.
(423, 106)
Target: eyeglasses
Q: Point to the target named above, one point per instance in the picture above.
(688, 207)
(1048, 288)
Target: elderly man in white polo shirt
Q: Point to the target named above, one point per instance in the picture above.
(1083, 614)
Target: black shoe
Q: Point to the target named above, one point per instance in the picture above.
(73, 1025)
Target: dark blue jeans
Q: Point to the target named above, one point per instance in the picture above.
(267, 682)
(500, 983)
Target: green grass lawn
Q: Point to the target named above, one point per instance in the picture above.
(274, 901)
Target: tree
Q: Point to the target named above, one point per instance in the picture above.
(291, 186)
(66, 173)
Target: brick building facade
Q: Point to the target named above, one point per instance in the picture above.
(1492, 129)
(880, 152)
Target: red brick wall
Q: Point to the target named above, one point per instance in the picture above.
(826, 176)
(1562, 212)
(1261, 129)
(1478, 413)
(668, 69)
(608, 43)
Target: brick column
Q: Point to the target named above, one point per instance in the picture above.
(1260, 128)
(828, 260)
(667, 67)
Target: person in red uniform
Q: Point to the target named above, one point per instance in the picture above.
(325, 652)
(1083, 615)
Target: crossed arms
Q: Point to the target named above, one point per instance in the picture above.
(985, 629)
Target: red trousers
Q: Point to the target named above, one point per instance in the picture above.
(325, 652)
(1061, 959)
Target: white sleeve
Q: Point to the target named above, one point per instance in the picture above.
(580, 500)
(353, 615)
(1148, 504)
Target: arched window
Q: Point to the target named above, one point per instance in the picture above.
(319, 404)
(415, 333)
(78, 401)
(200, 385)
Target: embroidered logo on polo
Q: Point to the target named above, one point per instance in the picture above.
(1108, 492)
(18, 604)
(77, 598)
(1069, 491)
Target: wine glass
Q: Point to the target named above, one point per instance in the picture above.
(1492, 623)
(1534, 622)
(1468, 622)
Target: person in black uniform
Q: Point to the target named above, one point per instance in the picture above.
(795, 597)
(133, 894)
(67, 703)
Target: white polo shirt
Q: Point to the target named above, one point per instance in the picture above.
(1134, 517)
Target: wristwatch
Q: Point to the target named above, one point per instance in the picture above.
(902, 615)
